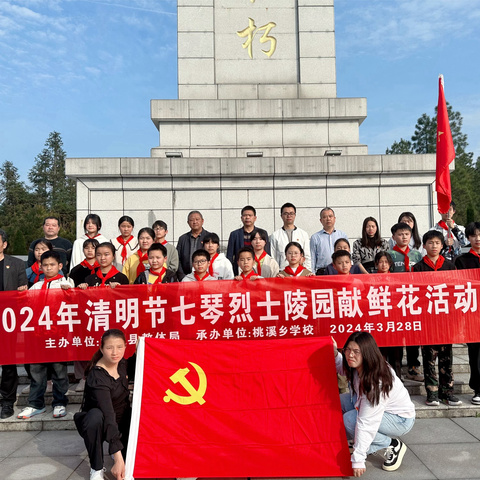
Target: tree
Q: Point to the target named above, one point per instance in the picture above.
(466, 176)
(51, 188)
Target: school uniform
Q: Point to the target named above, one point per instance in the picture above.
(146, 278)
(95, 280)
(130, 248)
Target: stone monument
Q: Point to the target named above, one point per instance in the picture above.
(257, 122)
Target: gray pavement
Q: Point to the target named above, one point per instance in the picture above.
(438, 448)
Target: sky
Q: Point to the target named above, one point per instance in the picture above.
(88, 69)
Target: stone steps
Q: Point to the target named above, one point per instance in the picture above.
(45, 421)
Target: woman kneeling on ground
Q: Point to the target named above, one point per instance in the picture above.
(378, 406)
(106, 411)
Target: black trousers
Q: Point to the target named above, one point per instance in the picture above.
(91, 426)
(9, 384)
(474, 361)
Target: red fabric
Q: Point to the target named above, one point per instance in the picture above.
(143, 258)
(111, 273)
(86, 264)
(405, 254)
(210, 268)
(437, 265)
(250, 275)
(445, 153)
(36, 270)
(290, 271)
(398, 309)
(164, 242)
(159, 275)
(124, 243)
(270, 409)
(258, 261)
(47, 281)
(198, 279)
(95, 236)
(473, 252)
(445, 227)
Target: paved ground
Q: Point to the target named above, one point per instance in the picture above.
(438, 448)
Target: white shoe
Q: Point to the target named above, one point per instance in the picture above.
(59, 411)
(97, 474)
(29, 412)
(81, 386)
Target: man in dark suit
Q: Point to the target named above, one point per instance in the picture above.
(242, 237)
(12, 277)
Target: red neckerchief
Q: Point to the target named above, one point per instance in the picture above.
(164, 242)
(95, 236)
(200, 279)
(121, 241)
(142, 257)
(111, 273)
(36, 270)
(210, 268)
(47, 281)
(444, 226)
(405, 254)
(250, 275)
(92, 268)
(473, 252)
(297, 273)
(258, 262)
(160, 275)
(436, 266)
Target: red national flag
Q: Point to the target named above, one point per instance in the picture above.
(445, 153)
(247, 408)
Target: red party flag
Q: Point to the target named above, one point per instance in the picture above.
(445, 153)
(267, 408)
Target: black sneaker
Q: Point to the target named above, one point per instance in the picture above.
(394, 455)
(432, 401)
(451, 400)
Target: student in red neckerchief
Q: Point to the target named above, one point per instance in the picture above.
(246, 262)
(158, 272)
(404, 258)
(265, 265)
(125, 244)
(294, 254)
(161, 231)
(106, 274)
(51, 267)
(453, 234)
(88, 265)
(471, 259)
(138, 262)
(92, 226)
(220, 266)
(200, 264)
(439, 388)
(34, 273)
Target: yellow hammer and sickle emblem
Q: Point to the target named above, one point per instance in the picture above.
(194, 395)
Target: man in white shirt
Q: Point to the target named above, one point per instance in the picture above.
(289, 233)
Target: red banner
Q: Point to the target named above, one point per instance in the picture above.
(263, 409)
(398, 309)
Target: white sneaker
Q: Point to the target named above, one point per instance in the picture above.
(97, 474)
(29, 412)
(59, 411)
(81, 386)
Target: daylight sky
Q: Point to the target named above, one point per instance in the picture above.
(89, 68)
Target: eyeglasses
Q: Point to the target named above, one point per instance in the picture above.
(355, 351)
(289, 214)
(199, 262)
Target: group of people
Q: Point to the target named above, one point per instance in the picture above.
(376, 390)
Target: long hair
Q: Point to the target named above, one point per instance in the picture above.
(416, 236)
(376, 377)
(113, 332)
(366, 241)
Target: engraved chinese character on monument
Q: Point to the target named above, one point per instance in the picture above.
(250, 33)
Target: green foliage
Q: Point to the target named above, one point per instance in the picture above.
(466, 177)
(23, 209)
